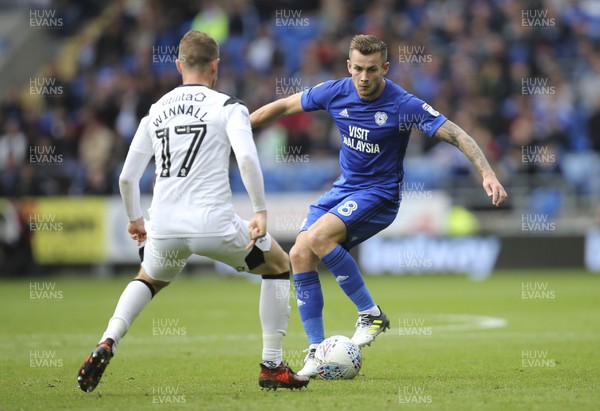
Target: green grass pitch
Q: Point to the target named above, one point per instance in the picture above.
(518, 341)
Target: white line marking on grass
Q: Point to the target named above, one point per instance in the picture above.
(453, 322)
(439, 323)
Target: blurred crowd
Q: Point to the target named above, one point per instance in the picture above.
(521, 77)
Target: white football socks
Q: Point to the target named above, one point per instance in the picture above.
(274, 312)
(132, 301)
(374, 311)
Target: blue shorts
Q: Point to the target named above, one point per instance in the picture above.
(365, 213)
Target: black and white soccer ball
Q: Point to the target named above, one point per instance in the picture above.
(338, 358)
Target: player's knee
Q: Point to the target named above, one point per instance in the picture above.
(296, 255)
(156, 285)
(300, 254)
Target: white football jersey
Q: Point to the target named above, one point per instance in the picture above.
(187, 132)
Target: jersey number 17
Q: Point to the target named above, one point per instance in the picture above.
(198, 130)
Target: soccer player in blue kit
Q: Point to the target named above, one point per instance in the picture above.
(375, 117)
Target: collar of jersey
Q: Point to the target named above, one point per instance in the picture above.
(193, 84)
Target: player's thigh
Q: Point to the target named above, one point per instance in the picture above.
(328, 228)
(323, 229)
(318, 209)
(265, 257)
(318, 214)
(164, 258)
(364, 214)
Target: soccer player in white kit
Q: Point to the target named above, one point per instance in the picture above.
(190, 131)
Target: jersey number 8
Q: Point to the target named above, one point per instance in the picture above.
(347, 208)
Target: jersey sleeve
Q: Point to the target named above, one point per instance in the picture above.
(142, 142)
(139, 154)
(129, 182)
(240, 137)
(422, 116)
(317, 97)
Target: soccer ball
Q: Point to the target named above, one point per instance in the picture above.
(338, 358)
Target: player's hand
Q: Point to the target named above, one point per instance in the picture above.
(257, 228)
(494, 189)
(137, 230)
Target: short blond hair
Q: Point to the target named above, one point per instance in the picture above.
(367, 44)
(197, 50)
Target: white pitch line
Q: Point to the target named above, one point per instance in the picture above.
(455, 322)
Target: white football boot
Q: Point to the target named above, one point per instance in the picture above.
(310, 364)
(368, 327)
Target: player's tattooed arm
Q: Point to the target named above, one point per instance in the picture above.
(453, 134)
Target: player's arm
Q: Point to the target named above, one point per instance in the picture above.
(279, 108)
(242, 143)
(129, 184)
(453, 134)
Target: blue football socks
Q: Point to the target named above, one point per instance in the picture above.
(310, 304)
(341, 263)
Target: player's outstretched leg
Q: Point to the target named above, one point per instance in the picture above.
(274, 312)
(324, 238)
(134, 298)
(309, 297)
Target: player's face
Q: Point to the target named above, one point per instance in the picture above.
(367, 74)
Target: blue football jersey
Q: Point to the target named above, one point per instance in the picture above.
(374, 134)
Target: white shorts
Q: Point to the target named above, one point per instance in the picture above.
(164, 258)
